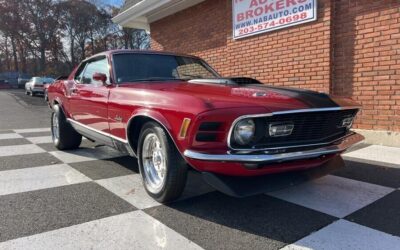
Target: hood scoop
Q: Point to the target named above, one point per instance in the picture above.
(228, 81)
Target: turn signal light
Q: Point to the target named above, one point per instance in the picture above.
(184, 128)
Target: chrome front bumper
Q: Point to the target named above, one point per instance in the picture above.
(336, 147)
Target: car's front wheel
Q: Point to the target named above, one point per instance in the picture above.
(162, 168)
(64, 135)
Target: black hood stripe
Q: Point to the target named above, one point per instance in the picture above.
(310, 98)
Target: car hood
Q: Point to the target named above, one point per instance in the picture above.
(230, 96)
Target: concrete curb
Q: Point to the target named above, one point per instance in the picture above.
(386, 138)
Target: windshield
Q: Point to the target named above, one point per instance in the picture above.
(42, 80)
(48, 80)
(131, 67)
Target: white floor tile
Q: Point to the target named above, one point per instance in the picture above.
(10, 136)
(32, 130)
(86, 154)
(40, 139)
(134, 230)
(343, 234)
(129, 188)
(29, 179)
(20, 150)
(377, 153)
(333, 195)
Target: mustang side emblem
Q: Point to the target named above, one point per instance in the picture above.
(118, 118)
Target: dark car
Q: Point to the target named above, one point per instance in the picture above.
(174, 111)
(4, 84)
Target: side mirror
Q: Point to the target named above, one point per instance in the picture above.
(101, 78)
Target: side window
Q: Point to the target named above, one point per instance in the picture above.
(99, 66)
(79, 73)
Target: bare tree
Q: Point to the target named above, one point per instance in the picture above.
(43, 17)
(50, 36)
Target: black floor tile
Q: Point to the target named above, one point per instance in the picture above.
(375, 174)
(6, 131)
(12, 142)
(103, 169)
(35, 212)
(382, 215)
(27, 161)
(217, 221)
(49, 147)
(35, 134)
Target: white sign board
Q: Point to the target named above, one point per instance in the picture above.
(251, 17)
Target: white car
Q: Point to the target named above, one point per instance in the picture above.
(35, 85)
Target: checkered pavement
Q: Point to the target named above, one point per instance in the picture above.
(93, 198)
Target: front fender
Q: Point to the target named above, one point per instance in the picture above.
(171, 122)
(152, 114)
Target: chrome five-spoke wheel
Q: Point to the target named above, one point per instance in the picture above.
(55, 127)
(154, 163)
(63, 134)
(162, 168)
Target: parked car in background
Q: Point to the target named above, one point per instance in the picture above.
(173, 111)
(4, 84)
(36, 85)
(22, 80)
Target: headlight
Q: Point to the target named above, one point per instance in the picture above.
(244, 131)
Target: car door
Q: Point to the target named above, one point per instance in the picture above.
(89, 97)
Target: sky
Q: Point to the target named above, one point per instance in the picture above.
(117, 3)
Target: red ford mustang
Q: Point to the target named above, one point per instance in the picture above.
(173, 111)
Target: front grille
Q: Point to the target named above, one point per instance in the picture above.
(309, 128)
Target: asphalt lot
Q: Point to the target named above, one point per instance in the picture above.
(92, 198)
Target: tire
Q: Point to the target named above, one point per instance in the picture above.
(46, 98)
(64, 135)
(165, 157)
(31, 93)
(26, 92)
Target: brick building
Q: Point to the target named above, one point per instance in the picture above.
(352, 49)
